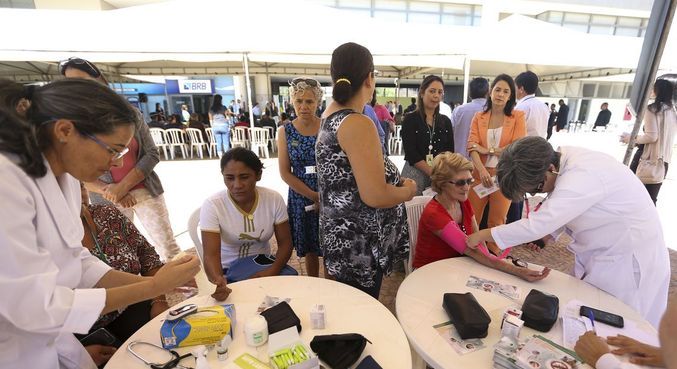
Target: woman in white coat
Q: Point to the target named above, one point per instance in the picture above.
(617, 236)
(51, 286)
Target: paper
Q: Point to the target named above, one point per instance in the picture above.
(486, 191)
(572, 329)
(506, 290)
(541, 353)
(450, 335)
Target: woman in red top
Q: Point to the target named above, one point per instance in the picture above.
(448, 219)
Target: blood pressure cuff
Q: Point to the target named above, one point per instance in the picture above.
(281, 317)
(339, 351)
(468, 316)
(540, 310)
(245, 267)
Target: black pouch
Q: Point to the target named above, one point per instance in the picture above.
(467, 315)
(368, 363)
(281, 317)
(540, 310)
(339, 351)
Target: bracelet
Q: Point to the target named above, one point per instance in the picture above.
(157, 300)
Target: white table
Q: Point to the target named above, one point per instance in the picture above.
(419, 307)
(348, 310)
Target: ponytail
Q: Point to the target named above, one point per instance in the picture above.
(19, 138)
(350, 66)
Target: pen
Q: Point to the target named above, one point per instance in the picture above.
(591, 315)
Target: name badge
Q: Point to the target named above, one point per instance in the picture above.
(429, 159)
(310, 169)
(294, 143)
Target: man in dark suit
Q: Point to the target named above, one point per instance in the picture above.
(562, 115)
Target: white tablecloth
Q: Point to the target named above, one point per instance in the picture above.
(348, 310)
(419, 307)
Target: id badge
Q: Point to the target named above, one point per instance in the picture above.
(429, 159)
(310, 169)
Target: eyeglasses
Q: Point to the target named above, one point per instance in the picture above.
(309, 81)
(81, 64)
(115, 154)
(463, 182)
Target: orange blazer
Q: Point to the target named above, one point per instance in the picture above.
(514, 128)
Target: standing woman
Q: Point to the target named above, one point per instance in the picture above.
(53, 287)
(220, 120)
(363, 223)
(425, 133)
(660, 125)
(490, 132)
(296, 143)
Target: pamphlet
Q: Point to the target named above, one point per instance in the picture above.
(506, 290)
(461, 346)
(486, 191)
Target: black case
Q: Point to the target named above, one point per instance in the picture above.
(540, 310)
(339, 351)
(281, 317)
(467, 315)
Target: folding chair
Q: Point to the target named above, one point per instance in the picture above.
(239, 137)
(177, 139)
(211, 149)
(259, 141)
(414, 208)
(196, 141)
(160, 140)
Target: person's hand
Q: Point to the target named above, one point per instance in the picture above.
(114, 192)
(158, 307)
(127, 201)
(411, 185)
(531, 275)
(222, 290)
(590, 348)
(485, 177)
(175, 273)
(640, 353)
(315, 197)
(100, 354)
(473, 240)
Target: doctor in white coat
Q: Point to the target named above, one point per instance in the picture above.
(617, 236)
(51, 286)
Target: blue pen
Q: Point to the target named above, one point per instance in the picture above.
(591, 316)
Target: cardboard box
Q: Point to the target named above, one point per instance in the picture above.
(207, 326)
(286, 339)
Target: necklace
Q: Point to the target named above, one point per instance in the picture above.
(431, 134)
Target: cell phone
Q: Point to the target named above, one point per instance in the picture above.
(263, 259)
(605, 317)
(100, 336)
(181, 312)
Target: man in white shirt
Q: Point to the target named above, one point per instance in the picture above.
(462, 116)
(535, 111)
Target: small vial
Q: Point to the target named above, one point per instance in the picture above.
(317, 317)
(222, 348)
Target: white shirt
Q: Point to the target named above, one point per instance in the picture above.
(617, 236)
(667, 118)
(243, 234)
(536, 114)
(493, 139)
(46, 275)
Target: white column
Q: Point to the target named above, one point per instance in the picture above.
(263, 89)
(249, 89)
(466, 79)
(239, 87)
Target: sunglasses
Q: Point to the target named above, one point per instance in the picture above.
(80, 64)
(463, 182)
(309, 81)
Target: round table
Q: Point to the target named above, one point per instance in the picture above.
(348, 310)
(419, 307)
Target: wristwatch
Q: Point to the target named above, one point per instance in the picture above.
(474, 146)
(492, 151)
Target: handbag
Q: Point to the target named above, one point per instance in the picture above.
(339, 351)
(281, 317)
(540, 310)
(468, 316)
(651, 168)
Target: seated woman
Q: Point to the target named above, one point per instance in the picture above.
(113, 238)
(448, 219)
(238, 222)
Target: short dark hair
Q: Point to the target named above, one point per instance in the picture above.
(479, 87)
(510, 104)
(561, 101)
(350, 66)
(413, 100)
(528, 81)
(244, 156)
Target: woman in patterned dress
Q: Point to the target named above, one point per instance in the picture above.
(296, 158)
(363, 223)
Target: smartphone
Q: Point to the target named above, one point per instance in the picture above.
(602, 316)
(100, 336)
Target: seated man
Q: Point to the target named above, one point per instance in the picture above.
(448, 219)
(237, 223)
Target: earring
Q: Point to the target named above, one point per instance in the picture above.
(61, 140)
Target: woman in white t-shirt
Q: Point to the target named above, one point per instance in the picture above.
(239, 221)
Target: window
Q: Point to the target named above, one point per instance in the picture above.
(630, 22)
(457, 20)
(390, 5)
(627, 31)
(421, 6)
(427, 18)
(555, 17)
(355, 4)
(588, 90)
(576, 18)
(457, 9)
(390, 15)
(604, 90)
(603, 20)
(577, 27)
(602, 30)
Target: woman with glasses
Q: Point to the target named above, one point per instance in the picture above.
(363, 223)
(296, 158)
(425, 133)
(53, 287)
(617, 236)
(490, 132)
(448, 219)
(133, 186)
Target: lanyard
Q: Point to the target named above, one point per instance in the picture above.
(431, 134)
(538, 206)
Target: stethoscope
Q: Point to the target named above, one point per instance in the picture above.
(172, 363)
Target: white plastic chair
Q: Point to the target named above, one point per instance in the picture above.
(160, 140)
(177, 139)
(194, 232)
(239, 138)
(271, 138)
(395, 142)
(211, 149)
(259, 141)
(414, 209)
(196, 141)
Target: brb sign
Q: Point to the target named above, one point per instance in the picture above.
(195, 86)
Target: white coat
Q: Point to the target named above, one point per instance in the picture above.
(46, 276)
(617, 236)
